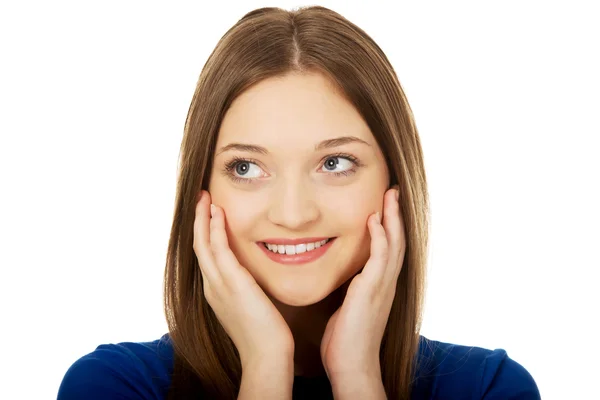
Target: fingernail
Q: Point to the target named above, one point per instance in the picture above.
(397, 194)
(212, 210)
(378, 215)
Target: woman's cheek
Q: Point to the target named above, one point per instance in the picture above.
(353, 212)
(237, 220)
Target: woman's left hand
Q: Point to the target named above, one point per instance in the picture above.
(352, 338)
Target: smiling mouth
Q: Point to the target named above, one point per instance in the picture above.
(291, 250)
(286, 254)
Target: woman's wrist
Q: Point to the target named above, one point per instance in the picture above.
(362, 386)
(267, 378)
(282, 356)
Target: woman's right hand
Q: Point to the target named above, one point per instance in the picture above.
(253, 323)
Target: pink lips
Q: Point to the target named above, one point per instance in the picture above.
(294, 241)
(301, 258)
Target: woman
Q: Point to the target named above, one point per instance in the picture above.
(298, 249)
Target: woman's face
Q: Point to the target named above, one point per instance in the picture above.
(284, 170)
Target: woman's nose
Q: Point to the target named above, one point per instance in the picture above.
(293, 207)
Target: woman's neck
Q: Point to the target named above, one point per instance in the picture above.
(307, 325)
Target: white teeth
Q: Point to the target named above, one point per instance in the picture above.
(297, 249)
(290, 249)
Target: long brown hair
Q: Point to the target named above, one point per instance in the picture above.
(270, 42)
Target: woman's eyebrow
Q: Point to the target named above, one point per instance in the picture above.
(325, 144)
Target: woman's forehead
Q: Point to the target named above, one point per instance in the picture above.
(295, 110)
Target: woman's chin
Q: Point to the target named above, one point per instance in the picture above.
(299, 296)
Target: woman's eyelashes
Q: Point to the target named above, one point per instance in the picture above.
(240, 169)
(246, 170)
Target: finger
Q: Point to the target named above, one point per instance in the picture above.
(202, 241)
(394, 229)
(225, 260)
(375, 267)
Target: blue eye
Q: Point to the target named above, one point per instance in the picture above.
(240, 170)
(244, 168)
(247, 171)
(331, 163)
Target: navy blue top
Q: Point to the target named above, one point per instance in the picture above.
(444, 371)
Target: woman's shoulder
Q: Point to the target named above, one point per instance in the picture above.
(142, 370)
(132, 370)
(447, 370)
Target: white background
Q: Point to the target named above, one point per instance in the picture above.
(93, 98)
